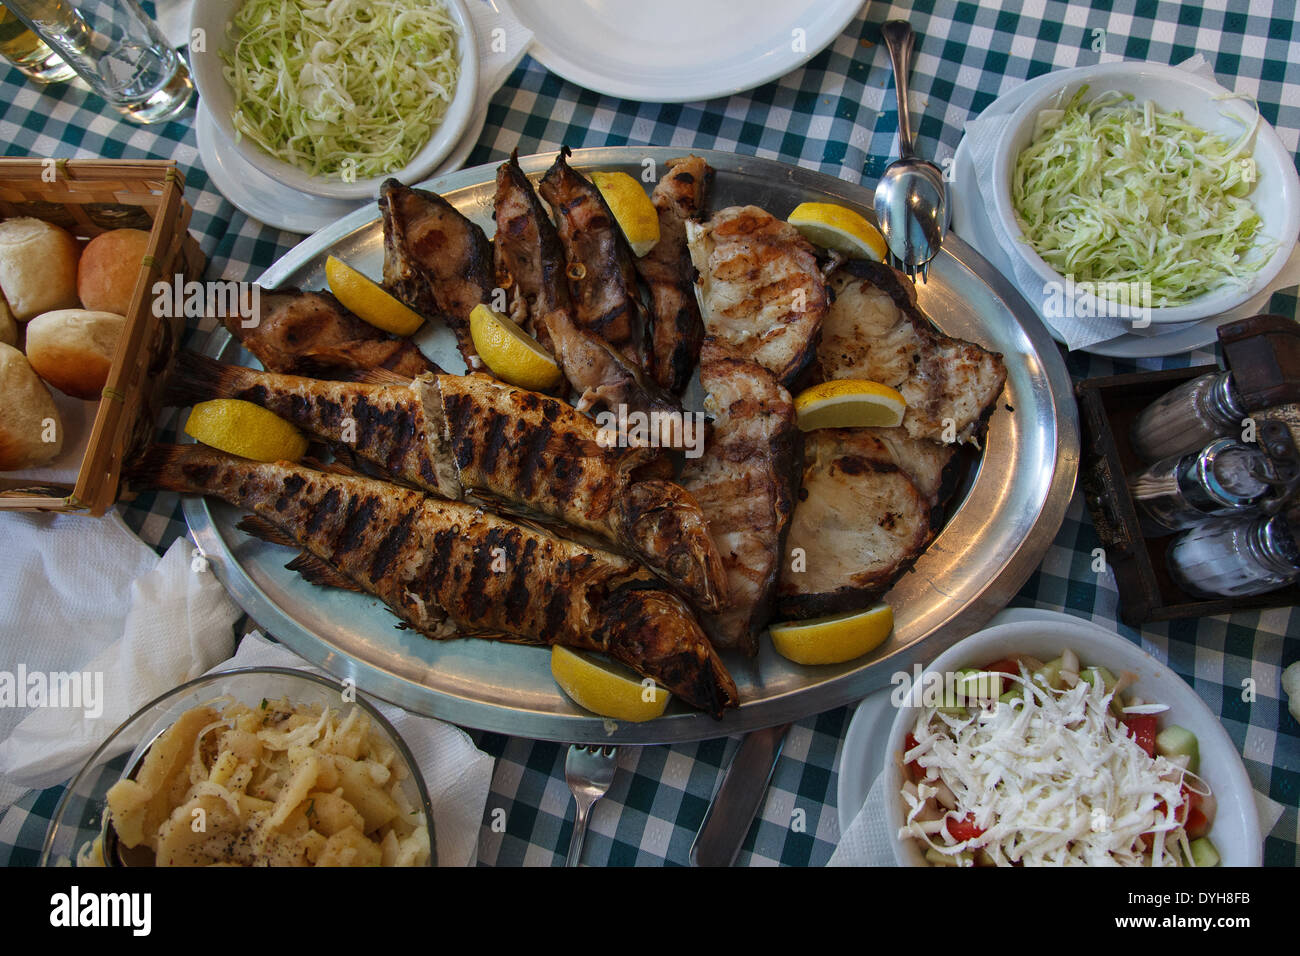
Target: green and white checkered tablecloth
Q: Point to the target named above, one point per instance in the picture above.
(837, 115)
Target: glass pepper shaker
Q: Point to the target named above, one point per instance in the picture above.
(1235, 557)
(1184, 419)
(1184, 490)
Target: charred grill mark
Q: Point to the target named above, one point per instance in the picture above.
(330, 412)
(518, 597)
(496, 441)
(854, 465)
(440, 562)
(325, 508)
(198, 474)
(530, 461)
(479, 588)
(360, 514)
(390, 546)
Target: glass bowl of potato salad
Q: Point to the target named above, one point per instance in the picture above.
(251, 767)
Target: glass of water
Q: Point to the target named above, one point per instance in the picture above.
(117, 49)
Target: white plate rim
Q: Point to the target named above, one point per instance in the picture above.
(832, 22)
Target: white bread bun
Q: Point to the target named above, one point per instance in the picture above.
(8, 327)
(109, 267)
(27, 415)
(72, 349)
(38, 267)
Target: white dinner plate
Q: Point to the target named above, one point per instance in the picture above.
(677, 51)
(260, 197)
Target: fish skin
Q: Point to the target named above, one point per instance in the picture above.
(458, 434)
(530, 259)
(605, 298)
(435, 260)
(529, 252)
(875, 330)
(676, 329)
(745, 484)
(762, 294)
(311, 333)
(431, 562)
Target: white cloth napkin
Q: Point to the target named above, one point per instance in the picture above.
(982, 136)
(457, 774)
(869, 842)
(86, 595)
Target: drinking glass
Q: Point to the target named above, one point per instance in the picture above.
(117, 49)
(29, 53)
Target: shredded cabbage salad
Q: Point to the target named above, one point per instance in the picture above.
(1112, 191)
(342, 88)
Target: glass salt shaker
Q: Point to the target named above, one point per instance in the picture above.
(1184, 490)
(1184, 419)
(1235, 557)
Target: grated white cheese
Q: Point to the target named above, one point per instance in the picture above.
(1052, 779)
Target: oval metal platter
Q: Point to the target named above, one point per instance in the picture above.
(1015, 501)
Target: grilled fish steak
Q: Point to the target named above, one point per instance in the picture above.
(458, 434)
(744, 484)
(875, 331)
(867, 508)
(676, 329)
(600, 270)
(435, 260)
(311, 333)
(432, 562)
(760, 289)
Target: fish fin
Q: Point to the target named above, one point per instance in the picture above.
(377, 376)
(156, 468)
(259, 527)
(505, 638)
(316, 571)
(343, 465)
(195, 378)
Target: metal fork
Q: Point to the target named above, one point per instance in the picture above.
(589, 771)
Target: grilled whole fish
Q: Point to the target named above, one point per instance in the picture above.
(311, 333)
(530, 260)
(867, 508)
(435, 561)
(676, 329)
(455, 435)
(600, 270)
(760, 289)
(744, 483)
(875, 331)
(435, 260)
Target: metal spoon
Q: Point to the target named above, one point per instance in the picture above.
(911, 197)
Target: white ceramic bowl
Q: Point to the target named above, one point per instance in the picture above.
(1276, 195)
(1235, 832)
(214, 17)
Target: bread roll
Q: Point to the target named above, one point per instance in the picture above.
(27, 415)
(8, 327)
(109, 268)
(38, 267)
(72, 349)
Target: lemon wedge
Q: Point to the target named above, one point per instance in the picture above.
(849, 403)
(244, 429)
(365, 297)
(834, 639)
(632, 208)
(511, 353)
(838, 228)
(605, 687)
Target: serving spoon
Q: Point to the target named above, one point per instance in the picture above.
(911, 197)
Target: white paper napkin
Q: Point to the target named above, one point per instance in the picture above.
(457, 774)
(86, 595)
(869, 842)
(982, 136)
